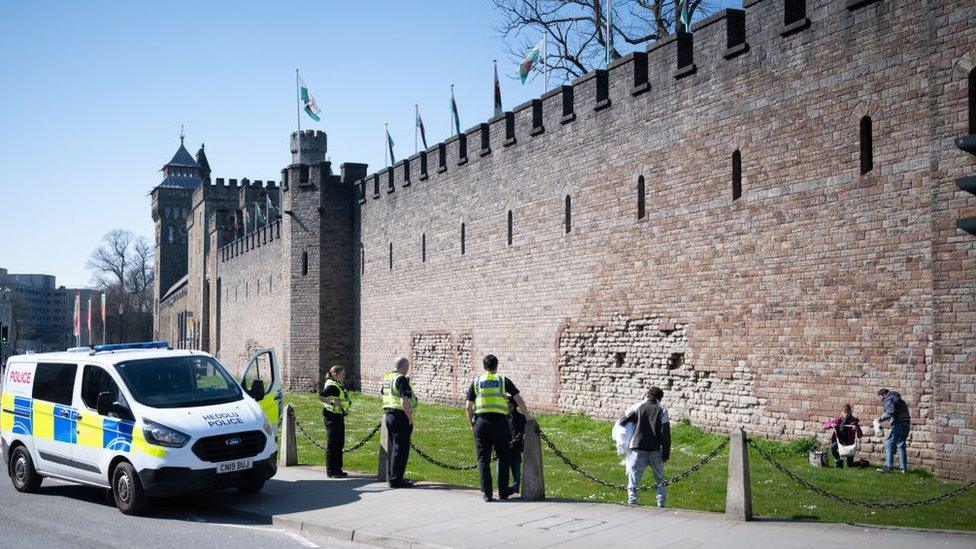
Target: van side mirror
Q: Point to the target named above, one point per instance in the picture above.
(256, 391)
(104, 405)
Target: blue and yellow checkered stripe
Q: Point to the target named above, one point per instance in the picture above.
(49, 421)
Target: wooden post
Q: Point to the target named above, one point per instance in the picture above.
(288, 453)
(533, 482)
(738, 493)
(384, 450)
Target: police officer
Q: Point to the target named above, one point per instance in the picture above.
(398, 406)
(335, 407)
(487, 410)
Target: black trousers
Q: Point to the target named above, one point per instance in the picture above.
(836, 453)
(400, 430)
(492, 433)
(335, 440)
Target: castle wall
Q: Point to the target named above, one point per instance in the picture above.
(813, 289)
(254, 305)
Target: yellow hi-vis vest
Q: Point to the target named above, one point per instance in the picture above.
(391, 397)
(489, 395)
(342, 407)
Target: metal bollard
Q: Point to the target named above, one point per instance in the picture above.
(384, 451)
(288, 452)
(533, 482)
(738, 492)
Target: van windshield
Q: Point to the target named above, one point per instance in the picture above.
(179, 381)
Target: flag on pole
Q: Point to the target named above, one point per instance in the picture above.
(77, 319)
(389, 143)
(530, 60)
(498, 91)
(103, 317)
(272, 209)
(247, 220)
(311, 109)
(685, 16)
(260, 218)
(89, 322)
(454, 113)
(420, 128)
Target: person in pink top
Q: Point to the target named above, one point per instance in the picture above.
(846, 428)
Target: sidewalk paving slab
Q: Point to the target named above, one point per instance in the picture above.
(359, 509)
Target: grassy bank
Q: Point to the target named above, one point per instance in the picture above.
(442, 432)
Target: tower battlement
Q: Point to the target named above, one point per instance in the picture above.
(308, 147)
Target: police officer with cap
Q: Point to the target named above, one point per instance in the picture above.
(398, 406)
(335, 408)
(487, 411)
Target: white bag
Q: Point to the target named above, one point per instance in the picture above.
(847, 450)
(621, 437)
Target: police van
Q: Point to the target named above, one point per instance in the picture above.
(141, 420)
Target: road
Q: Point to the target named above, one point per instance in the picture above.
(62, 514)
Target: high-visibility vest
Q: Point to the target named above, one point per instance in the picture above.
(391, 397)
(489, 395)
(342, 407)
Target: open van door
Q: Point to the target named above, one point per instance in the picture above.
(262, 380)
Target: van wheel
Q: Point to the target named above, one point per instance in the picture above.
(22, 472)
(127, 490)
(250, 487)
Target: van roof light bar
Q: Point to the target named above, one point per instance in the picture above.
(129, 346)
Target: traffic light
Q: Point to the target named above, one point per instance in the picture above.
(967, 184)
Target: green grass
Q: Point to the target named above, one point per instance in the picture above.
(442, 432)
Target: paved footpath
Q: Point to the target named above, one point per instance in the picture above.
(431, 515)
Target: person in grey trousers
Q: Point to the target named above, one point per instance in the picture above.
(651, 444)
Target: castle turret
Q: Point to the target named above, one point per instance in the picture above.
(308, 147)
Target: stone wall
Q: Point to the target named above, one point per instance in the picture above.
(819, 285)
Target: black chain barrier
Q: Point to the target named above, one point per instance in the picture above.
(441, 464)
(853, 501)
(352, 448)
(682, 475)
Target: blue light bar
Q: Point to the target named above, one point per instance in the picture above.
(126, 346)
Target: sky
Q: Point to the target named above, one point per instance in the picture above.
(94, 95)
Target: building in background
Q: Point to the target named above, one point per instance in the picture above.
(42, 313)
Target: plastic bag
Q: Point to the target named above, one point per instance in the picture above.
(621, 435)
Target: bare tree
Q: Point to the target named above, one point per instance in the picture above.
(122, 267)
(575, 30)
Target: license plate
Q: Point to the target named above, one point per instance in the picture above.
(233, 466)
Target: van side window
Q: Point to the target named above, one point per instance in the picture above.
(95, 380)
(54, 382)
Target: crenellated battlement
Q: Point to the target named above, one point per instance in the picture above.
(266, 235)
(672, 65)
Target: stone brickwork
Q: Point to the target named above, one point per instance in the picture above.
(771, 272)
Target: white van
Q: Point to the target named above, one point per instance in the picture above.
(141, 420)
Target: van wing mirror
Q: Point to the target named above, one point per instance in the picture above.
(256, 390)
(104, 405)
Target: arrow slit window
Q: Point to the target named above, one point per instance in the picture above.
(867, 146)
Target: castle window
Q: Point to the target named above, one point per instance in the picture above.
(302, 174)
(391, 256)
(794, 10)
(423, 248)
(362, 259)
(462, 238)
(972, 102)
(736, 175)
(510, 223)
(640, 198)
(304, 263)
(867, 146)
(569, 214)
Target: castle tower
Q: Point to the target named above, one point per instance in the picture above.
(171, 204)
(308, 147)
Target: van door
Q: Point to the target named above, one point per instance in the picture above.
(54, 418)
(263, 365)
(99, 437)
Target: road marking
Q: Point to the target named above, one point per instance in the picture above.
(297, 537)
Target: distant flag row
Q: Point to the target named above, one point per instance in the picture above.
(76, 328)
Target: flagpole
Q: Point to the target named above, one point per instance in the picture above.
(545, 60)
(606, 60)
(298, 108)
(450, 119)
(416, 116)
(386, 143)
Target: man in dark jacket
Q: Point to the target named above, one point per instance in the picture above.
(650, 445)
(896, 410)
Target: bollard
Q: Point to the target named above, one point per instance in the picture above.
(384, 450)
(288, 453)
(738, 493)
(533, 483)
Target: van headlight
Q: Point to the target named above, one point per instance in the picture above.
(267, 427)
(161, 435)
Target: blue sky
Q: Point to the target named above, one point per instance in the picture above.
(94, 94)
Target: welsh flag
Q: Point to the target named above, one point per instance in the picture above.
(389, 142)
(685, 16)
(311, 109)
(530, 60)
(420, 126)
